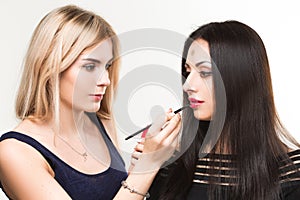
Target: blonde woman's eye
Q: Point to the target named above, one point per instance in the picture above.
(89, 67)
(205, 74)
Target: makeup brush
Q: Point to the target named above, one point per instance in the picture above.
(143, 129)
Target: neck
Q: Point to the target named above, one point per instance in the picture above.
(71, 121)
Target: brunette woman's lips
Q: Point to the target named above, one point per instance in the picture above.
(96, 97)
(194, 103)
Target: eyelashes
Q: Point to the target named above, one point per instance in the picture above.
(185, 74)
(91, 67)
(203, 74)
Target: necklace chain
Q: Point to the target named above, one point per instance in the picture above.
(84, 154)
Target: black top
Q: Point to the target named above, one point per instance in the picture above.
(78, 185)
(289, 177)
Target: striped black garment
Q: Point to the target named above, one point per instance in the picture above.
(221, 174)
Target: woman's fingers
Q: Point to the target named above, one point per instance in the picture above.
(134, 158)
(159, 139)
(159, 144)
(135, 155)
(173, 130)
(169, 128)
(139, 147)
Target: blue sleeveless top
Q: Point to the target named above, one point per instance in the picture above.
(80, 186)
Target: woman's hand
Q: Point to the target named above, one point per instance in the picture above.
(138, 150)
(158, 145)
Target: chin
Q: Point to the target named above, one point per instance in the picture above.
(202, 116)
(92, 109)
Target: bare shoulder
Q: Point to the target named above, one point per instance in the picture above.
(14, 153)
(23, 168)
(25, 174)
(19, 162)
(12, 149)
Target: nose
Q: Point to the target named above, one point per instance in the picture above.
(187, 87)
(103, 79)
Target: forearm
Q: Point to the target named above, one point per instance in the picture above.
(140, 181)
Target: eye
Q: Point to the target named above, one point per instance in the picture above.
(185, 74)
(205, 74)
(187, 70)
(108, 65)
(89, 67)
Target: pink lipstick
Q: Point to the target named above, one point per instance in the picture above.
(96, 97)
(194, 103)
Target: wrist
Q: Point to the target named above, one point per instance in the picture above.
(131, 189)
(145, 165)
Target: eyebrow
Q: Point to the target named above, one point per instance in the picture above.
(92, 59)
(95, 60)
(200, 63)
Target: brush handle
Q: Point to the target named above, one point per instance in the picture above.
(139, 131)
(148, 126)
(180, 109)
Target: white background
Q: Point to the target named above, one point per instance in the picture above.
(277, 22)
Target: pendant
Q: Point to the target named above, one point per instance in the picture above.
(84, 156)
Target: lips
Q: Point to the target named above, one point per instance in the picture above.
(194, 103)
(97, 97)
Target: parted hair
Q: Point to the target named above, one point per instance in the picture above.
(58, 40)
(252, 130)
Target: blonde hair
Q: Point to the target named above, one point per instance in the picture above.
(60, 37)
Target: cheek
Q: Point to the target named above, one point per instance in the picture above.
(208, 83)
(69, 83)
(207, 93)
(210, 99)
(204, 113)
(67, 86)
(208, 90)
(85, 81)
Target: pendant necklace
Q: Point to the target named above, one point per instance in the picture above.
(84, 154)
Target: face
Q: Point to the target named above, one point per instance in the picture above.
(83, 84)
(199, 82)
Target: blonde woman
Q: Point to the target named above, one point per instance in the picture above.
(64, 146)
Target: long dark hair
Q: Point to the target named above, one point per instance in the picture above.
(251, 128)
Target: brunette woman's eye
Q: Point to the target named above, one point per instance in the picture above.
(187, 70)
(185, 74)
(205, 74)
